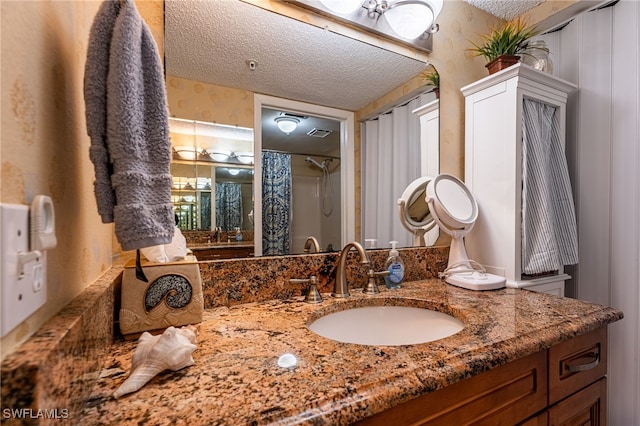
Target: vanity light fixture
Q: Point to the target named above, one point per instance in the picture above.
(233, 172)
(411, 22)
(244, 157)
(287, 124)
(219, 156)
(186, 152)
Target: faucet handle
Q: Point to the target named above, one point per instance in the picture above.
(372, 288)
(313, 295)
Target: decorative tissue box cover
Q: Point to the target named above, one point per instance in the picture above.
(173, 296)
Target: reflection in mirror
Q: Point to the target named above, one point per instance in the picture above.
(415, 215)
(212, 169)
(319, 202)
(308, 203)
(314, 65)
(399, 147)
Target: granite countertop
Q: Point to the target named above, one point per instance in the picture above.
(236, 379)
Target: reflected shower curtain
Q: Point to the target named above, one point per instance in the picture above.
(205, 210)
(391, 161)
(228, 205)
(276, 203)
(549, 232)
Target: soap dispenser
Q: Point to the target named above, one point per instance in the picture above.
(238, 235)
(395, 266)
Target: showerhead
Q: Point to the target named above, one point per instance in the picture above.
(314, 162)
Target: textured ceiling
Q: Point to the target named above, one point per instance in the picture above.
(505, 9)
(212, 41)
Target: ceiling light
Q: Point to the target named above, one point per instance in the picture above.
(287, 124)
(411, 22)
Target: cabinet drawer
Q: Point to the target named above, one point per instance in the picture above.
(587, 407)
(576, 363)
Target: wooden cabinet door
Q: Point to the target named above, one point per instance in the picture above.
(587, 407)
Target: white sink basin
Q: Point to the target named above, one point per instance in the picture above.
(386, 325)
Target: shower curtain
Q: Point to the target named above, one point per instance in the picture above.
(391, 161)
(228, 205)
(549, 232)
(276, 203)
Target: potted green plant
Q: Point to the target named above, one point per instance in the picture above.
(503, 46)
(432, 78)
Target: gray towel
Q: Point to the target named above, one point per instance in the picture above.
(549, 232)
(127, 121)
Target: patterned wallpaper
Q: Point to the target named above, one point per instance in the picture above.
(195, 100)
(44, 147)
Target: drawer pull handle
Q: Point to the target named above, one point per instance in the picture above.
(576, 368)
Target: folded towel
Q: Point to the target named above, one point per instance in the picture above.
(127, 121)
(549, 232)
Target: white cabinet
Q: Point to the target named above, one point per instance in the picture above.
(493, 167)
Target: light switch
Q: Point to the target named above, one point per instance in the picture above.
(23, 272)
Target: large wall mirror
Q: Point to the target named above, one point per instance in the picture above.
(228, 52)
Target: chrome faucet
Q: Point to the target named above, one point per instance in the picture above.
(311, 242)
(341, 288)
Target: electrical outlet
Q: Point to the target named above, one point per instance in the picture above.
(23, 272)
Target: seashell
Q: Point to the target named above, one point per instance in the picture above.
(170, 350)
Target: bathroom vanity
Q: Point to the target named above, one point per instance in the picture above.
(522, 357)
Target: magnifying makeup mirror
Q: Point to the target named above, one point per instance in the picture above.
(455, 210)
(414, 211)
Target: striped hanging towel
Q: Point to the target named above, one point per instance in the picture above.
(549, 232)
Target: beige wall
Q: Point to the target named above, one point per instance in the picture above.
(44, 146)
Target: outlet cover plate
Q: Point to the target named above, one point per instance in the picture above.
(21, 295)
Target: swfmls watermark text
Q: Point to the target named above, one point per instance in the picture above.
(30, 413)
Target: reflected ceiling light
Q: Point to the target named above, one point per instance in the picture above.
(287, 124)
(203, 183)
(186, 152)
(202, 128)
(244, 157)
(410, 22)
(233, 172)
(219, 156)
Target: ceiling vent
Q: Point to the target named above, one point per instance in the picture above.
(318, 133)
(298, 116)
